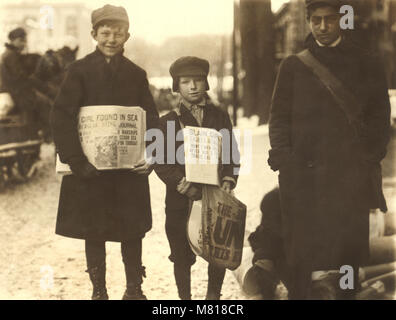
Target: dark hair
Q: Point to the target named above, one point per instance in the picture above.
(315, 6)
(111, 23)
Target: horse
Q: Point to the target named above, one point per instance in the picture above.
(20, 143)
(50, 68)
(53, 64)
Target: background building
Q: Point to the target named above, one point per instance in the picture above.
(49, 26)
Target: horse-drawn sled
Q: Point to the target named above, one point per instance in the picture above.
(19, 143)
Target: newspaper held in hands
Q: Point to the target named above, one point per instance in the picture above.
(202, 150)
(112, 137)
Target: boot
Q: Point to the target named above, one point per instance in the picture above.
(264, 277)
(215, 282)
(183, 280)
(134, 280)
(326, 287)
(98, 279)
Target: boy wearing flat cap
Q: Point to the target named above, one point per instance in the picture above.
(190, 81)
(112, 205)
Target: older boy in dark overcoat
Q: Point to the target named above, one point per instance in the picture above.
(112, 205)
(195, 109)
(329, 164)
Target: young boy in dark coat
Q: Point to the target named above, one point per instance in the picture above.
(112, 205)
(190, 81)
(269, 260)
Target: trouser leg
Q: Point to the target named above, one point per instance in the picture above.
(181, 253)
(134, 271)
(95, 252)
(182, 274)
(215, 282)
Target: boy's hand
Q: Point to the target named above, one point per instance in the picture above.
(194, 193)
(183, 186)
(227, 186)
(189, 189)
(83, 169)
(143, 168)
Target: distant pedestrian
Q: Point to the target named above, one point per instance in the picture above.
(23, 87)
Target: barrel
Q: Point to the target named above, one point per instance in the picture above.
(369, 272)
(373, 291)
(390, 224)
(382, 250)
(388, 279)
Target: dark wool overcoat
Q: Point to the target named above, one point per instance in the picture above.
(329, 173)
(116, 205)
(172, 173)
(15, 80)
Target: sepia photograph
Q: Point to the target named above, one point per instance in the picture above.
(234, 150)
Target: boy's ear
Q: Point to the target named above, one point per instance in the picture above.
(93, 34)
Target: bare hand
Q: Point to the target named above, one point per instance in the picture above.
(183, 186)
(194, 192)
(143, 168)
(83, 169)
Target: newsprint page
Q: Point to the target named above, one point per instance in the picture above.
(227, 151)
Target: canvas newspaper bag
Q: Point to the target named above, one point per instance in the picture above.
(216, 224)
(216, 227)
(112, 137)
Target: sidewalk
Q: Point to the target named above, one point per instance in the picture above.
(37, 264)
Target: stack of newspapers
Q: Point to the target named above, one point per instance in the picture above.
(112, 137)
(202, 149)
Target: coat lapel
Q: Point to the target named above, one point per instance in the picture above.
(187, 118)
(208, 120)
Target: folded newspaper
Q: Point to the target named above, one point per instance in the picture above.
(202, 150)
(112, 137)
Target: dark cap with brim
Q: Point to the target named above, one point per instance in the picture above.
(17, 33)
(109, 12)
(188, 66)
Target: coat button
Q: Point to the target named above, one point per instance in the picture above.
(310, 164)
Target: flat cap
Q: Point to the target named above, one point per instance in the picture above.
(332, 3)
(109, 12)
(17, 33)
(188, 66)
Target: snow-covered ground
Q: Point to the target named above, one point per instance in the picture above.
(37, 264)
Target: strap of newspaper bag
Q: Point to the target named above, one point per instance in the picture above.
(345, 99)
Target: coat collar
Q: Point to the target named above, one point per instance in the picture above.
(11, 47)
(188, 120)
(334, 44)
(187, 105)
(101, 57)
